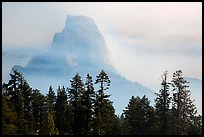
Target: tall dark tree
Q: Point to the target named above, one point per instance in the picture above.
(108, 125)
(39, 112)
(14, 90)
(43, 115)
(103, 80)
(76, 91)
(49, 126)
(27, 102)
(19, 98)
(163, 101)
(103, 109)
(63, 120)
(183, 108)
(138, 117)
(51, 100)
(87, 106)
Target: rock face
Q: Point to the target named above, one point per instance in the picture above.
(81, 42)
(80, 48)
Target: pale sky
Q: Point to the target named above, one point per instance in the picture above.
(144, 39)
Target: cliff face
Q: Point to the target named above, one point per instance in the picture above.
(79, 48)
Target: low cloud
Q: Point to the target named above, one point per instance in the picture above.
(16, 56)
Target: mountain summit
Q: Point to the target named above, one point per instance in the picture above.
(80, 41)
(80, 48)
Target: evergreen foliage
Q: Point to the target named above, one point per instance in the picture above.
(82, 110)
(183, 109)
(162, 105)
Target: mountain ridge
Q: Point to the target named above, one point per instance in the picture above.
(80, 48)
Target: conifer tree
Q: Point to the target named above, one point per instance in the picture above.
(62, 111)
(76, 91)
(103, 109)
(138, 117)
(183, 108)
(87, 106)
(39, 112)
(162, 106)
(19, 98)
(108, 125)
(51, 100)
(27, 102)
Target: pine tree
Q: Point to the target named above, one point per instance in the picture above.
(87, 106)
(49, 127)
(43, 115)
(103, 80)
(162, 106)
(39, 112)
(108, 125)
(183, 108)
(27, 98)
(63, 120)
(14, 91)
(19, 99)
(103, 109)
(76, 91)
(51, 100)
(138, 117)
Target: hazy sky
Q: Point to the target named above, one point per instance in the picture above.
(144, 39)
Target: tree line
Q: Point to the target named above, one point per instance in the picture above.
(83, 110)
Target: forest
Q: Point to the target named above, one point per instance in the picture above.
(81, 109)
